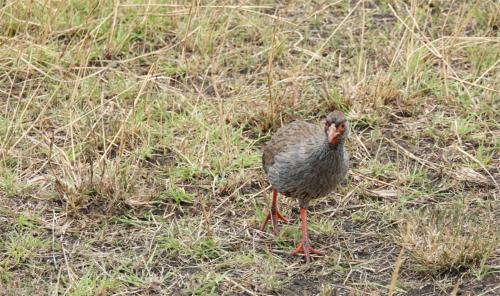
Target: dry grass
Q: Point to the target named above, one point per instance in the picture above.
(444, 240)
(130, 137)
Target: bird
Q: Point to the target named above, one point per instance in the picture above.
(305, 161)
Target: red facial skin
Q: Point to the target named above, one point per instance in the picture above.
(334, 133)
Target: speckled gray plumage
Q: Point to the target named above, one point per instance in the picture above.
(300, 163)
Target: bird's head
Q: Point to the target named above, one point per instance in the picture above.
(336, 127)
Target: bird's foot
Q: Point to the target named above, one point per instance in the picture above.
(305, 248)
(273, 215)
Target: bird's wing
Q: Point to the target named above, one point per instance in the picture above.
(286, 137)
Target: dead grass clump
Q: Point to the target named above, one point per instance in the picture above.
(381, 91)
(375, 96)
(333, 99)
(80, 191)
(447, 239)
(108, 188)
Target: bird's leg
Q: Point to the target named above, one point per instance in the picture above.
(274, 214)
(305, 244)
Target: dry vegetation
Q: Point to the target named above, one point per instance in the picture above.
(131, 133)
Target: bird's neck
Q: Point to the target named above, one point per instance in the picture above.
(330, 151)
(335, 148)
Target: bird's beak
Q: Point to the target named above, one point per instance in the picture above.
(333, 134)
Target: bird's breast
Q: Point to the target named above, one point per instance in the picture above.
(307, 175)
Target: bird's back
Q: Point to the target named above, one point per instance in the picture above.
(288, 137)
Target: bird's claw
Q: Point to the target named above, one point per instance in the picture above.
(273, 216)
(305, 247)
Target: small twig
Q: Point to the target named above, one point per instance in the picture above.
(231, 195)
(274, 17)
(382, 182)
(131, 111)
(331, 35)
(113, 25)
(474, 84)
(203, 149)
(271, 104)
(239, 286)
(395, 273)
(54, 237)
(238, 7)
(455, 288)
(486, 72)
(413, 156)
(320, 10)
(184, 40)
(479, 163)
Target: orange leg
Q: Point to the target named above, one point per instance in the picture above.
(274, 214)
(305, 244)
